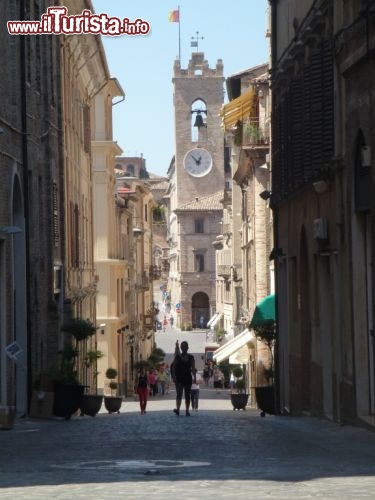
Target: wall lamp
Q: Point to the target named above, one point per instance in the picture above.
(137, 231)
(320, 186)
(10, 230)
(101, 326)
(265, 195)
(276, 253)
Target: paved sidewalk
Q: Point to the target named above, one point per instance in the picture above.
(215, 453)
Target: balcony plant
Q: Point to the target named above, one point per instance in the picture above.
(252, 134)
(112, 402)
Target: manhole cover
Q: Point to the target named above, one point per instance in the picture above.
(131, 464)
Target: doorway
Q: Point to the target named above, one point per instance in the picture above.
(200, 310)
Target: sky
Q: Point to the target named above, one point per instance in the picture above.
(143, 65)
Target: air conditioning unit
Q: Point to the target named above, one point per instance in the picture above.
(321, 228)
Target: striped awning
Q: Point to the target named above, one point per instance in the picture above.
(212, 319)
(239, 109)
(216, 320)
(234, 345)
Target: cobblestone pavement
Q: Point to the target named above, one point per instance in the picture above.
(215, 453)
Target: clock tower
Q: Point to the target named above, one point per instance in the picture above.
(196, 188)
(198, 98)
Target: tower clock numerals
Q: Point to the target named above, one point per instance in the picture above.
(198, 162)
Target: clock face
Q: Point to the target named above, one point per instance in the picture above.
(198, 162)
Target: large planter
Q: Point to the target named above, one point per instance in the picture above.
(239, 401)
(67, 400)
(265, 397)
(113, 403)
(91, 404)
(7, 417)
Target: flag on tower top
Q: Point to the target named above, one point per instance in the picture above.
(174, 16)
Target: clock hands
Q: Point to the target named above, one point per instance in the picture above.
(197, 160)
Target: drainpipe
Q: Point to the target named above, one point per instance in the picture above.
(274, 57)
(25, 167)
(273, 4)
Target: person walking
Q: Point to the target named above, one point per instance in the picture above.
(153, 382)
(162, 381)
(194, 393)
(183, 375)
(167, 372)
(206, 374)
(142, 388)
(218, 379)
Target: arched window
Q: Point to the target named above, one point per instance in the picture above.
(198, 121)
(130, 169)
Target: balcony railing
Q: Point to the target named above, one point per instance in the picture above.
(142, 282)
(227, 228)
(223, 270)
(155, 272)
(148, 321)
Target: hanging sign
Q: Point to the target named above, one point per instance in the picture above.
(13, 350)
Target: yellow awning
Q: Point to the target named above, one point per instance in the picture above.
(239, 109)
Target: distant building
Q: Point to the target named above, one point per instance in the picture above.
(196, 184)
(132, 166)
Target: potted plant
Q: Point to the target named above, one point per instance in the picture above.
(112, 402)
(67, 387)
(265, 395)
(239, 398)
(92, 401)
(68, 391)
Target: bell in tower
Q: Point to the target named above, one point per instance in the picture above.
(199, 119)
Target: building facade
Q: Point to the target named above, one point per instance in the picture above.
(245, 271)
(31, 204)
(110, 230)
(322, 152)
(83, 79)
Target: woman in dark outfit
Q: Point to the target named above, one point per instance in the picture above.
(142, 388)
(183, 374)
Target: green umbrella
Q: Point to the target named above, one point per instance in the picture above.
(264, 312)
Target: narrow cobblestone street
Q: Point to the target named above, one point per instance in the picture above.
(214, 453)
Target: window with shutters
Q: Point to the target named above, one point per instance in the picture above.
(86, 129)
(199, 225)
(362, 174)
(302, 125)
(74, 242)
(55, 215)
(199, 262)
